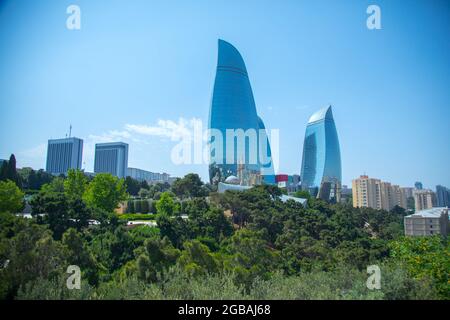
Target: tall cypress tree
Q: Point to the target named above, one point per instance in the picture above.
(11, 171)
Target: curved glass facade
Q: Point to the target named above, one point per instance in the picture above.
(233, 108)
(321, 172)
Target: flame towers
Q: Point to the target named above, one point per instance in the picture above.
(233, 119)
(321, 164)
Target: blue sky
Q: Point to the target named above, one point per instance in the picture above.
(140, 71)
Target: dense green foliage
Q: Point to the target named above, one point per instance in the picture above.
(249, 244)
(8, 171)
(11, 198)
(105, 192)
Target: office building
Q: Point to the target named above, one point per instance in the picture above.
(150, 177)
(424, 199)
(233, 110)
(111, 158)
(442, 196)
(427, 222)
(418, 185)
(321, 163)
(64, 154)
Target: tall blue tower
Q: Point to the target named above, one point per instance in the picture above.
(233, 110)
(321, 172)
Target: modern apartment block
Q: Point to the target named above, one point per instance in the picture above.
(442, 196)
(366, 192)
(427, 222)
(150, 177)
(424, 199)
(408, 192)
(111, 158)
(376, 194)
(64, 154)
(399, 197)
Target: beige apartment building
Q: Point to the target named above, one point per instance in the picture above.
(399, 197)
(408, 192)
(366, 192)
(424, 199)
(374, 193)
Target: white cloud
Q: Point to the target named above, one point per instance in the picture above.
(166, 129)
(32, 157)
(139, 134)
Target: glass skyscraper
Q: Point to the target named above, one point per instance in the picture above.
(233, 108)
(321, 165)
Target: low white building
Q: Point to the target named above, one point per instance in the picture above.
(427, 222)
(222, 187)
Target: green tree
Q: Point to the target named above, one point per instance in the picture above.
(105, 192)
(302, 194)
(8, 171)
(174, 228)
(158, 255)
(251, 257)
(75, 184)
(197, 259)
(132, 186)
(31, 253)
(207, 221)
(166, 205)
(56, 185)
(11, 197)
(189, 186)
(425, 258)
(77, 253)
(52, 209)
(144, 193)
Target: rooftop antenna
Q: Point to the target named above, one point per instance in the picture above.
(70, 131)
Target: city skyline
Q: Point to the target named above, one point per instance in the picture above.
(145, 85)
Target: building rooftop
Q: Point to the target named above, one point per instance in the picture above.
(285, 198)
(61, 140)
(230, 58)
(325, 113)
(222, 187)
(430, 213)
